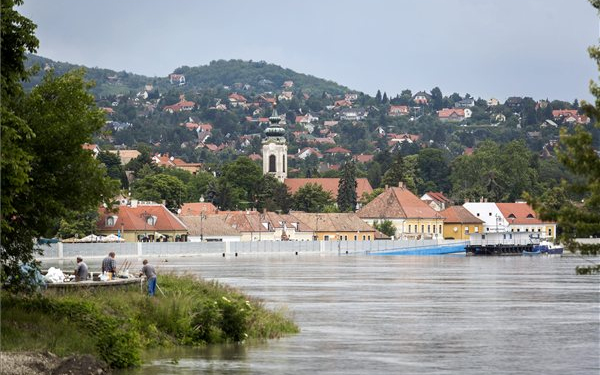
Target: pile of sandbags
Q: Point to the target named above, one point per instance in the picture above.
(54, 275)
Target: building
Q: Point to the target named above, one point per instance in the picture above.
(459, 223)
(436, 200)
(210, 228)
(336, 226)
(274, 149)
(510, 217)
(142, 222)
(411, 216)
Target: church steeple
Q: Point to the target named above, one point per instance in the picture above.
(275, 149)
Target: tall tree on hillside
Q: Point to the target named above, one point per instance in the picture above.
(378, 97)
(395, 173)
(46, 174)
(346, 199)
(577, 153)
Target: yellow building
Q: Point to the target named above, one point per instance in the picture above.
(459, 223)
(336, 226)
(411, 216)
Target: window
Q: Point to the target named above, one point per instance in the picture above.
(490, 214)
(355, 237)
(364, 237)
(326, 238)
(467, 230)
(110, 221)
(272, 161)
(428, 228)
(440, 228)
(476, 229)
(422, 228)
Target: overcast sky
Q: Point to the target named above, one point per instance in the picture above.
(487, 48)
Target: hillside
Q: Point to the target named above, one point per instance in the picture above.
(259, 75)
(254, 76)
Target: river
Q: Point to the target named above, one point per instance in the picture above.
(405, 315)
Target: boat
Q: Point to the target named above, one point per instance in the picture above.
(511, 243)
(548, 248)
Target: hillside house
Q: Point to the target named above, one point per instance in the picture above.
(177, 79)
(398, 110)
(454, 114)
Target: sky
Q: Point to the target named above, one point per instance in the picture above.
(487, 48)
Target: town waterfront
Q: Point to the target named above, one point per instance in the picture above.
(405, 315)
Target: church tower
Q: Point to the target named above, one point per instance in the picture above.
(274, 149)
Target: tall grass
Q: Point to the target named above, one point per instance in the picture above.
(116, 325)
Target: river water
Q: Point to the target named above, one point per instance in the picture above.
(405, 315)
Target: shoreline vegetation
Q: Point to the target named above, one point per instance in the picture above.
(116, 326)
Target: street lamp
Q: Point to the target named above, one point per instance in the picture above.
(202, 217)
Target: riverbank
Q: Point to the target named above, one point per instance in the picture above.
(26, 363)
(115, 326)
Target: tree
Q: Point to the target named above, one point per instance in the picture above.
(434, 170)
(311, 198)
(395, 173)
(113, 166)
(386, 227)
(245, 175)
(272, 195)
(160, 187)
(44, 132)
(580, 219)
(346, 199)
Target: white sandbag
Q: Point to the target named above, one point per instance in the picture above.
(54, 275)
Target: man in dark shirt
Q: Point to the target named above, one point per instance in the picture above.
(109, 264)
(150, 274)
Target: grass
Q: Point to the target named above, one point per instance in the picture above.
(117, 325)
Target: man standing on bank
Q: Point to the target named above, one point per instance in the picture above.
(150, 274)
(81, 272)
(109, 265)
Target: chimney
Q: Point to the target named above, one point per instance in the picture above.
(134, 203)
(400, 184)
(481, 199)
(386, 187)
(466, 200)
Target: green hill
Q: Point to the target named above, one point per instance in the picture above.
(255, 76)
(260, 75)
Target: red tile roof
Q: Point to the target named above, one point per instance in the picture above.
(459, 214)
(134, 219)
(196, 208)
(448, 112)
(328, 184)
(338, 150)
(439, 197)
(363, 158)
(518, 213)
(397, 202)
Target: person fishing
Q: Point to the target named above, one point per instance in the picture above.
(150, 273)
(81, 272)
(109, 265)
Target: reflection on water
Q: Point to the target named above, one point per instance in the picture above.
(405, 315)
